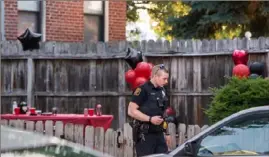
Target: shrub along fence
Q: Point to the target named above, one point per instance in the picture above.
(117, 143)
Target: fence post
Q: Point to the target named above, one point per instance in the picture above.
(267, 62)
(121, 90)
(30, 82)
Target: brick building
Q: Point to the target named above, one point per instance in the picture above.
(70, 20)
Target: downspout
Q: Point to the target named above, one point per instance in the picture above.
(2, 37)
(43, 20)
(2, 10)
(106, 21)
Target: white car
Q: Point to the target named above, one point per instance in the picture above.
(244, 134)
(21, 143)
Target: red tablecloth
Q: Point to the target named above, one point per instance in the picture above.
(96, 121)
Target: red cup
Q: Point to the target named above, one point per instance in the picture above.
(17, 110)
(32, 111)
(91, 111)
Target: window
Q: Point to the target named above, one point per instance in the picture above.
(93, 21)
(247, 136)
(29, 16)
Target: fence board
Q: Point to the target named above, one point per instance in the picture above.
(191, 131)
(59, 129)
(99, 137)
(30, 125)
(89, 136)
(128, 140)
(181, 133)
(78, 136)
(120, 143)
(69, 132)
(39, 127)
(110, 142)
(20, 124)
(172, 132)
(12, 123)
(3, 122)
(49, 128)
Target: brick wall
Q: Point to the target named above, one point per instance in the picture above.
(117, 20)
(11, 19)
(64, 20)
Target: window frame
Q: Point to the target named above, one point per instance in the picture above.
(39, 15)
(102, 22)
(238, 118)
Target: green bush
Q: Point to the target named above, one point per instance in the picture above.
(237, 95)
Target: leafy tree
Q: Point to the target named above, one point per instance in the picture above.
(133, 34)
(132, 10)
(159, 11)
(221, 19)
(205, 19)
(132, 16)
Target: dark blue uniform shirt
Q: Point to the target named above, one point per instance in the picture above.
(151, 100)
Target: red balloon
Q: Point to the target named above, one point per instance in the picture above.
(139, 81)
(130, 76)
(240, 57)
(143, 70)
(241, 70)
(169, 111)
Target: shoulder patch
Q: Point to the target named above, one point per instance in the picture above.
(137, 91)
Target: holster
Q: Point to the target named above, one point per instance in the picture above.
(138, 129)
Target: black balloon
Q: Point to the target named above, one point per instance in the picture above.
(23, 107)
(253, 76)
(133, 57)
(29, 40)
(257, 68)
(171, 119)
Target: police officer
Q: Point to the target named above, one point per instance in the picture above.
(147, 106)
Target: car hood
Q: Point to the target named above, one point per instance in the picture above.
(158, 155)
(162, 155)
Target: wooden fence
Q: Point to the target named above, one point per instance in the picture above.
(114, 142)
(72, 76)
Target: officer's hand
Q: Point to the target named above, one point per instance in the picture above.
(156, 120)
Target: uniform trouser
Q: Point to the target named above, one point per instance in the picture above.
(154, 143)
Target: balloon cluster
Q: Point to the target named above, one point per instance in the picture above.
(240, 58)
(141, 70)
(241, 69)
(170, 115)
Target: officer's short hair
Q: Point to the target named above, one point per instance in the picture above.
(157, 68)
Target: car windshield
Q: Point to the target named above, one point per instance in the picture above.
(248, 136)
(47, 151)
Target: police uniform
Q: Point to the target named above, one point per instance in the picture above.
(151, 101)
